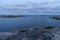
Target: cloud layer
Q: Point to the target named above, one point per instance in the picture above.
(30, 7)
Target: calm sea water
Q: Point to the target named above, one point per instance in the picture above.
(8, 24)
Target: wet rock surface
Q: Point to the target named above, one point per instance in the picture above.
(28, 35)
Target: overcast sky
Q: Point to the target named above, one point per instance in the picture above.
(30, 7)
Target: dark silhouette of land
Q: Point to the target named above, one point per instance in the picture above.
(55, 17)
(11, 16)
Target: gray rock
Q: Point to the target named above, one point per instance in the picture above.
(28, 35)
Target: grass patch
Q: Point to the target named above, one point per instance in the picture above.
(49, 27)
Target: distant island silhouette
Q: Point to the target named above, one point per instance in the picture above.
(11, 16)
(55, 17)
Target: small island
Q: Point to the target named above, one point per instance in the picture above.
(55, 17)
(10, 16)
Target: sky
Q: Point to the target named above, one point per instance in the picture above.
(29, 7)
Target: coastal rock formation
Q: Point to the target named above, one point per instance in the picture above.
(27, 35)
(55, 17)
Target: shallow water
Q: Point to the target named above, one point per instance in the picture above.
(8, 24)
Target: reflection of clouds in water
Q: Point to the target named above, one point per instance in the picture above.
(30, 7)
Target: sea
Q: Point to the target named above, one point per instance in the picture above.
(28, 21)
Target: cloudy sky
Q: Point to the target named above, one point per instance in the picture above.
(30, 7)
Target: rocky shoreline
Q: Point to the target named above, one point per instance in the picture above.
(37, 33)
(55, 17)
